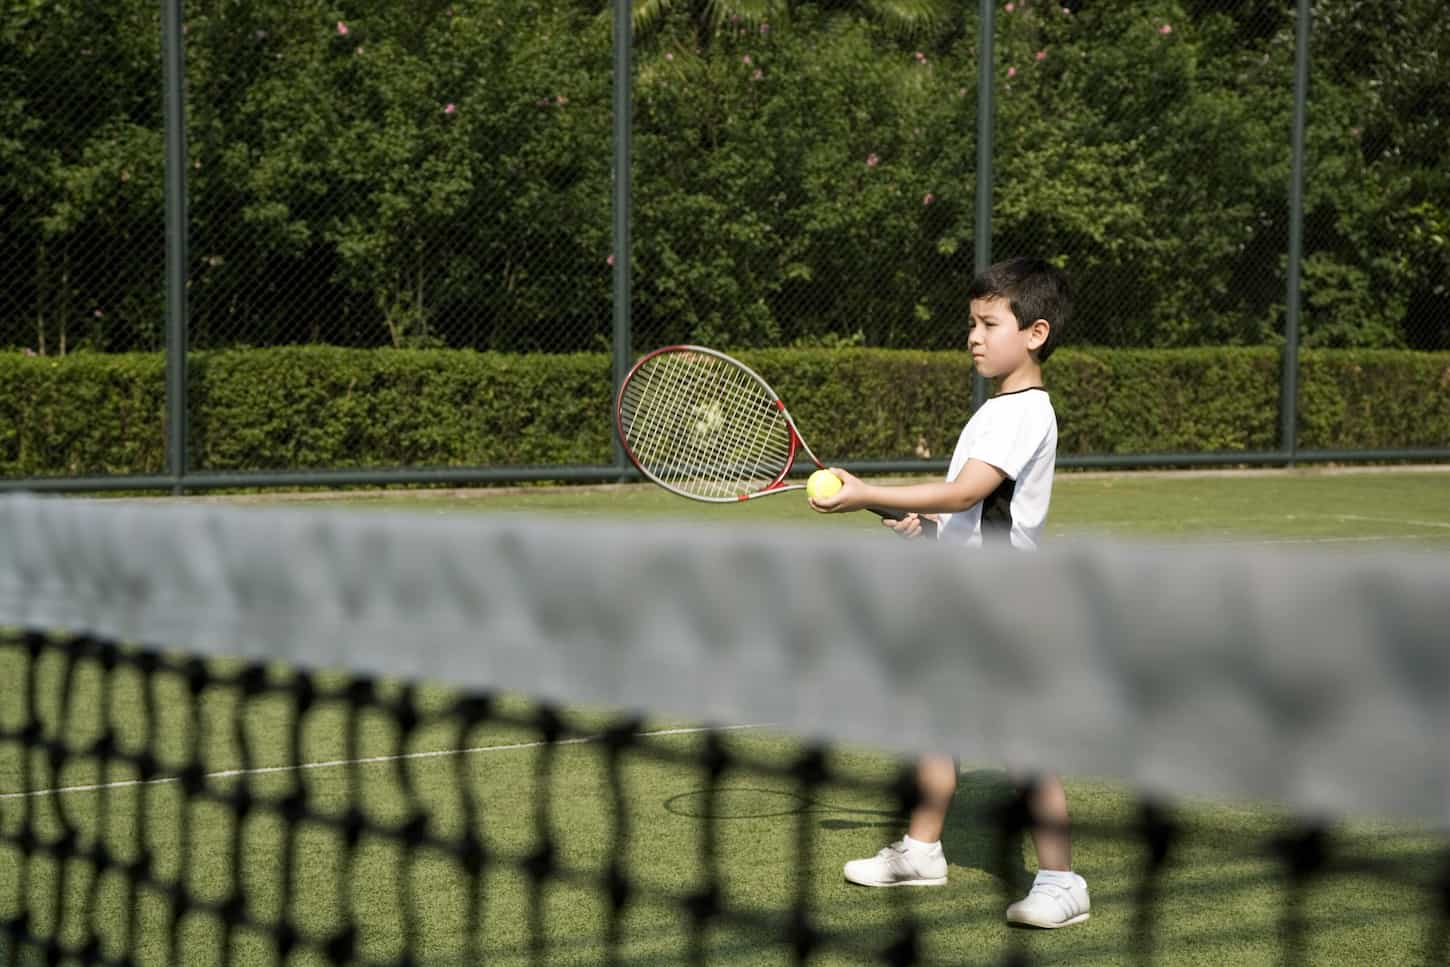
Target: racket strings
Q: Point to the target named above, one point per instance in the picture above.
(729, 426)
(702, 425)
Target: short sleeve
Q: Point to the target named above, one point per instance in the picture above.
(1014, 435)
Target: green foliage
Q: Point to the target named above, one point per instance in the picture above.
(324, 407)
(81, 230)
(1165, 401)
(438, 173)
(1372, 399)
(86, 414)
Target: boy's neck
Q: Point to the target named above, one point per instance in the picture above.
(1026, 376)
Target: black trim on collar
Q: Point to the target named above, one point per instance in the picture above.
(1025, 389)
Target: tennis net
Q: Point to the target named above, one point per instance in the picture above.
(244, 736)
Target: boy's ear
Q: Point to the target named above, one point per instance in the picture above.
(1037, 334)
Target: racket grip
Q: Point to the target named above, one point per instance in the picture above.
(928, 527)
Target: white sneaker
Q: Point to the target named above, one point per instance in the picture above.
(899, 865)
(1050, 904)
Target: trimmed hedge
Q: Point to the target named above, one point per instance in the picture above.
(82, 415)
(323, 407)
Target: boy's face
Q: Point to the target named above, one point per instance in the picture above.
(998, 346)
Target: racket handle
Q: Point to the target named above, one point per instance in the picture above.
(928, 527)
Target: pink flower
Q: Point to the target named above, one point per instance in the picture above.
(1066, 11)
(1011, 72)
(99, 314)
(920, 57)
(342, 28)
(928, 198)
(764, 29)
(561, 100)
(745, 59)
(669, 56)
(1042, 55)
(449, 108)
(758, 75)
(1010, 7)
(1165, 29)
(871, 160)
(610, 260)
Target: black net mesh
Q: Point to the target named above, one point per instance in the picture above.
(157, 808)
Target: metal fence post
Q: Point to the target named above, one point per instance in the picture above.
(176, 244)
(1289, 380)
(985, 109)
(623, 10)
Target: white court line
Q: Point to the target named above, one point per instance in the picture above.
(1181, 540)
(1395, 520)
(370, 760)
(1264, 518)
(1398, 538)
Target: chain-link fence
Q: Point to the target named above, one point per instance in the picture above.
(417, 175)
(1377, 209)
(1147, 149)
(791, 191)
(82, 234)
(438, 174)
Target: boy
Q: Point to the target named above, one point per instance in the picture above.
(996, 491)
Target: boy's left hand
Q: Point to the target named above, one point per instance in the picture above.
(850, 497)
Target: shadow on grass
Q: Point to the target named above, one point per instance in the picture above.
(969, 842)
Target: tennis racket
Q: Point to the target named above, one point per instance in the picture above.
(707, 427)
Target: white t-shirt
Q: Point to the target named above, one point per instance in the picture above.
(1016, 433)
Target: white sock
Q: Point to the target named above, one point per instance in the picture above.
(917, 846)
(1060, 877)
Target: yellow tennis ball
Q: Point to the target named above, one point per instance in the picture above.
(822, 483)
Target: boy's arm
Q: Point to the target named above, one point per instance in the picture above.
(973, 485)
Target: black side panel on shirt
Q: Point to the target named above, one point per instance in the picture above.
(997, 514)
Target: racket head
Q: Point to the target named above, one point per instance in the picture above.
(704, 425)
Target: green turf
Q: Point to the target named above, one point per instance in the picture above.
(1221, 902)
(1409, 508)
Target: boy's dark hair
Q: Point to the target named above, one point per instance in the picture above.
(1035, 289)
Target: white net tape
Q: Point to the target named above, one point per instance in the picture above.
(1320, 681)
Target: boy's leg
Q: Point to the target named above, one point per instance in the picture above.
(917, 859)
(1051, 838)
(936, 779)
(1059, 897)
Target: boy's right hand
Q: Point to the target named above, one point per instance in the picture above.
(909, 526)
